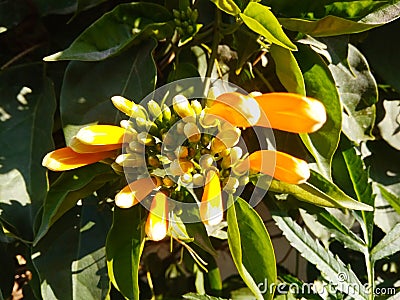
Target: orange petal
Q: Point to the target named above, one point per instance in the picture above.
(280, 165)
(291, 112)
(135, 192)
(67, 159)
(239, 110)
(80, 147)
(211, 208)
(157, 221)
(101, 135)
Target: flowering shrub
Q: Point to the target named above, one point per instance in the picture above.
(144, 143)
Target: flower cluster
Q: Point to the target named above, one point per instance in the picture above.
(194, 146)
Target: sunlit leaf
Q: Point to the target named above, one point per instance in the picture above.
(248, 238)
(117, 30)
(27, 105)
(389, 245)
(261, 20)
(228, 6)
(390, 125)
(357, 89)
(322, 258)
(320, 85)
(288, 70)
(363, 188)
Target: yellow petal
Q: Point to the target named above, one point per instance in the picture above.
(237, 109)
(291, 112)
(157, 221)
(280, 165)
(135, 192)
(80, 147)
(101, 135)
(211, 208)
(67, 159)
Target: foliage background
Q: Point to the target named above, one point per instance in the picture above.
(346, 57)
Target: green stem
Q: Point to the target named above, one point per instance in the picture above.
(370, 274)
(215, 43)
(264, 80)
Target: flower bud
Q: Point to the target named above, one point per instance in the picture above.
(135, 192)
(196, 105)
(166, 111)
(198, 180)
(128, 107)
(181, 152)
(232, 158)
(206, 161)
(168, 182)
(186, 178)
(179, 167)
(155, 109)
(156, 227)
(231, 184)
(179, 127)
(182, 107)
(192, 132)
(211, 208)
(137, 147)
(153, 161)
(130, 160)
(145, 139)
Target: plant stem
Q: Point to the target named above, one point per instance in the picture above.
(370, 274)
(215, 43)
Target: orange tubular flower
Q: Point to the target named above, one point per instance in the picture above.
(235, 108)
(287, 168)
(101, 135)
(135, 192)
(291, 112)
(67, 159)
(80, 147)
(211, 208)
(157, 221)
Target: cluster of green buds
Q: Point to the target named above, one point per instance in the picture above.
(179, 147)
(185, 20)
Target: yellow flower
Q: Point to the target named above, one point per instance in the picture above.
(67, 159)
(135, 192)
(211, 208)
(156, 227)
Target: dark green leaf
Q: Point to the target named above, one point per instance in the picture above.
(261, 20)
(27, 105)
(353, 9)
(363, 188)
(389, 245)
(251, 247)
(357, 89)
(228, 6)
(183, 70)
(288, 70)
(70, 187)
(86, 4)
(117, 30)
(45, 7)
(390, 127)
(70, 258)
(131, 75)
(245, 43)
(7, 264)
(124, 247)
(320, 85)
(322, 258)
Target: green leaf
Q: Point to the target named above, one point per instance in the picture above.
(44, 7)
(193, 296)
(320, 85)
(322, 258)
(86, 4)
(309, 193)
(117, 30)
(332, 25)
(261, 20)
(251, 247)
(70, 259)
(390, 244)
(131, 74)
(389, 127)
(27, 106)
(363, 188)
(287, 70)
(124, 247)
(228, 6)
(70, 187)
(336, 228)
(392, 199)
(353, 9)
(357, 89)
(245, 43)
